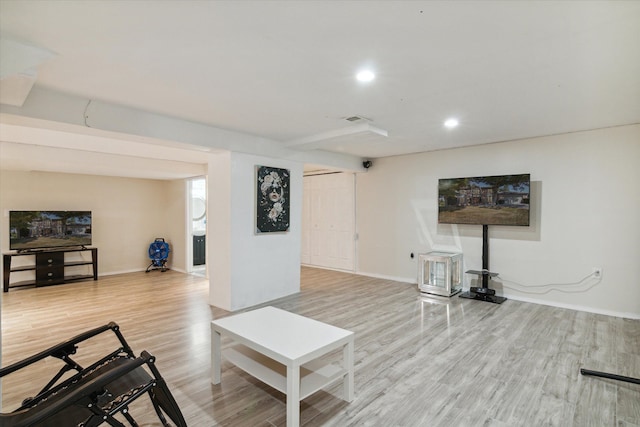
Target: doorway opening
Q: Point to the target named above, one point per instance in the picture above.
(198, 226)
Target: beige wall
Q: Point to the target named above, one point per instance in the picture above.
(176, 222)
(585, 207)
(127, 214)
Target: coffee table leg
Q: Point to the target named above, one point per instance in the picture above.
(347, 384)
(293, 396)
(216, 358)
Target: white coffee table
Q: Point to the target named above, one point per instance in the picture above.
(282, 349)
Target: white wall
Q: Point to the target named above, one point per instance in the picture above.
(127, 214)
(219, 229)
(247, 268)
(585, 207)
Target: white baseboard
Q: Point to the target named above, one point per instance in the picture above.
(523, 299)
(574, 307)
(410, 281)
(413, 281)
(328, 268)
(113, 273)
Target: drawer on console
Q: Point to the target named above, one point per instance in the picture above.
(50, 259)
(49, 275)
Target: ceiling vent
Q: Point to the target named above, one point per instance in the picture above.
(356, 119)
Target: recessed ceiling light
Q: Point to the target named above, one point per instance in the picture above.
(365, 76)
(451, 123)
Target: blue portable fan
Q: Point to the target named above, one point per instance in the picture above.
(158, 253)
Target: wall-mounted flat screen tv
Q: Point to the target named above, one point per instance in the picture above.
(486, 200)
(30, 230)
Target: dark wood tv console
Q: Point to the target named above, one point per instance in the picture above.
(48, 267)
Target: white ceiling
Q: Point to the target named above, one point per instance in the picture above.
(284, 70)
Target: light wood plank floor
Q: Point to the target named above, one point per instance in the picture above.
(419, 361)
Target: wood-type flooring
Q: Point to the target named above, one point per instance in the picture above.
(419, 361)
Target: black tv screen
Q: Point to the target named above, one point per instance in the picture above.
(30, 230)
(486, 200)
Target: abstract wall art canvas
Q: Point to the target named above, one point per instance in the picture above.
(272, 199)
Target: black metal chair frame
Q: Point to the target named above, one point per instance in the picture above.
(610, 376)
(96, 394)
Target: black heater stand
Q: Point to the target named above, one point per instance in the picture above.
(610, 376)
(484, 293)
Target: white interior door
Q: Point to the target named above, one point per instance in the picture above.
(328, 236)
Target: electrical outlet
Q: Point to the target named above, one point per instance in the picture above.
(597, 272)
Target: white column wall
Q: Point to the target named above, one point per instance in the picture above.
(219, 229)
(248, 268)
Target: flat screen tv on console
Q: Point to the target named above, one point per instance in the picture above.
(34, 230)
(484, 200)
